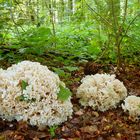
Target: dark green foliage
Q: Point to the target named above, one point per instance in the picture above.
(77, 41)
(59, 71)
(36, 40)
(70, 68)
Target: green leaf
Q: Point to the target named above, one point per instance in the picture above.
(70, 68)
(24, 84)
(52, 130)
(59, 71)
(64, 93)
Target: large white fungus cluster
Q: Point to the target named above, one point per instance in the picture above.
(29, 92)
(101, 91)
(132, 105)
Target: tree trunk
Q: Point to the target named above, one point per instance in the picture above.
(61, 9)
(70, 9)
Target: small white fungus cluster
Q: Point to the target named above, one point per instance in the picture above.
(38, 102)
(101, 91)
(132, 105)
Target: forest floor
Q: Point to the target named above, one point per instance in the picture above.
(85, 124)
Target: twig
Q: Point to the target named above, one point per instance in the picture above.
(21, 8)
(11, 13)
(103, 19)
(104, 51)
(125, 12)
(114, 17)
(128, 27)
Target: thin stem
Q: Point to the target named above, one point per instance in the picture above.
(12, 17)
(125, 11)
(102, 18)
(114, 17)
(128, 27)
(52, 19)
(119, 43)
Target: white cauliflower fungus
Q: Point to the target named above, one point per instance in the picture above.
(101, 91)
(28, 92)
(132, 105)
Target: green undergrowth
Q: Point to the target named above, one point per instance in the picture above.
(71, 44)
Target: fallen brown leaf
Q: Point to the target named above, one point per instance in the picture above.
(89, 129)
(80, 112)
(77, 133)
(34, 134)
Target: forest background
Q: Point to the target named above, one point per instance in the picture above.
(104, 31)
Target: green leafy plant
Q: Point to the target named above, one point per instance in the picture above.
(52, 130)
(71, 68)
(64, 93)
(59, 71)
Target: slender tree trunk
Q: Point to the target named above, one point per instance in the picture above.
(70, 9)
(61, 10)
(37, 14)
(51, 12)
(114, 15)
